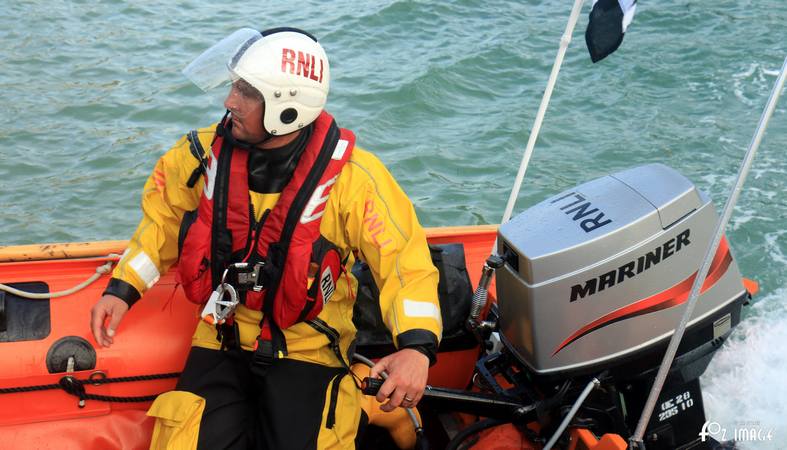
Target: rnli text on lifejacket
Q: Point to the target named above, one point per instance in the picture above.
(580, 210)
(631, 268)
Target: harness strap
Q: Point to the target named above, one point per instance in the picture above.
(271, 343)
(221, 242)
(228, 334)
(199, 153)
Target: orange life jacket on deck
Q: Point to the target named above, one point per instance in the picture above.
(300, 266)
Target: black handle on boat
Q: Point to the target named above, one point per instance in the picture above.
(370, 386)
(477, 403)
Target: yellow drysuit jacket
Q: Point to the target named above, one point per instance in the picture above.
(367, 214)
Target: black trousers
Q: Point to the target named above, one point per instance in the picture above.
(280, 410)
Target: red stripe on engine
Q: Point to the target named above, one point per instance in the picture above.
(674, 296)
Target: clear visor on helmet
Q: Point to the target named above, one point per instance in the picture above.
(212, 68)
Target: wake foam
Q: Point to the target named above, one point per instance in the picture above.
(744, 386)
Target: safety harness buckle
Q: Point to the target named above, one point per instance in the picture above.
(249, 275)
(264, 354)
(222, 302)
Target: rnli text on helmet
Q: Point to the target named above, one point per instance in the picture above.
(306, 65)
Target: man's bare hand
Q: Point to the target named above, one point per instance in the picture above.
(107, 307)
(408, 371)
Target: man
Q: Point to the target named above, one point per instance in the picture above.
(284, 191)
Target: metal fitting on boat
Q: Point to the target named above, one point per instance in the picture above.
(481, 293)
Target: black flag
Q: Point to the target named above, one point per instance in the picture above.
(608, 22)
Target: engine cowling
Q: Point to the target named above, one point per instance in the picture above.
(598, 275)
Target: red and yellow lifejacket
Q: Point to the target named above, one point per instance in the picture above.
(287, 238)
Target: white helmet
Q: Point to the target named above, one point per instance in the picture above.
(290, 69)
(286, 65)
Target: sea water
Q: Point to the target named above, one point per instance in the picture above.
(445, 94)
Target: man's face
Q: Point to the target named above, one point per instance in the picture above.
(246, 106)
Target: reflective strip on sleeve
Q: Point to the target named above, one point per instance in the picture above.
(414, 308)
(145, 268)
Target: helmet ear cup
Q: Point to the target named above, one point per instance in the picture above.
(288, 116)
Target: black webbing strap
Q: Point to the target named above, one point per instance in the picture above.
(199, 153)
(221, 237)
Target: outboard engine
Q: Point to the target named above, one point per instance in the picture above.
(596, 280)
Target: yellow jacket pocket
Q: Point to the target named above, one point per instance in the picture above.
(178, 415)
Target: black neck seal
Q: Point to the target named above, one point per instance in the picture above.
(269, 169)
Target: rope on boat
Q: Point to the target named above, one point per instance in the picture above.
(76, 387)
(100, 270)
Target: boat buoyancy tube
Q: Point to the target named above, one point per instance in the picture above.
(598, 276)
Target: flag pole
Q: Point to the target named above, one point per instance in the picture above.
(661, 376)
(531, 142)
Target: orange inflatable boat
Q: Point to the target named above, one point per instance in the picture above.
(561, 354)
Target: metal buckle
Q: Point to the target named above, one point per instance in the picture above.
(217, 310)
(249, 277)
